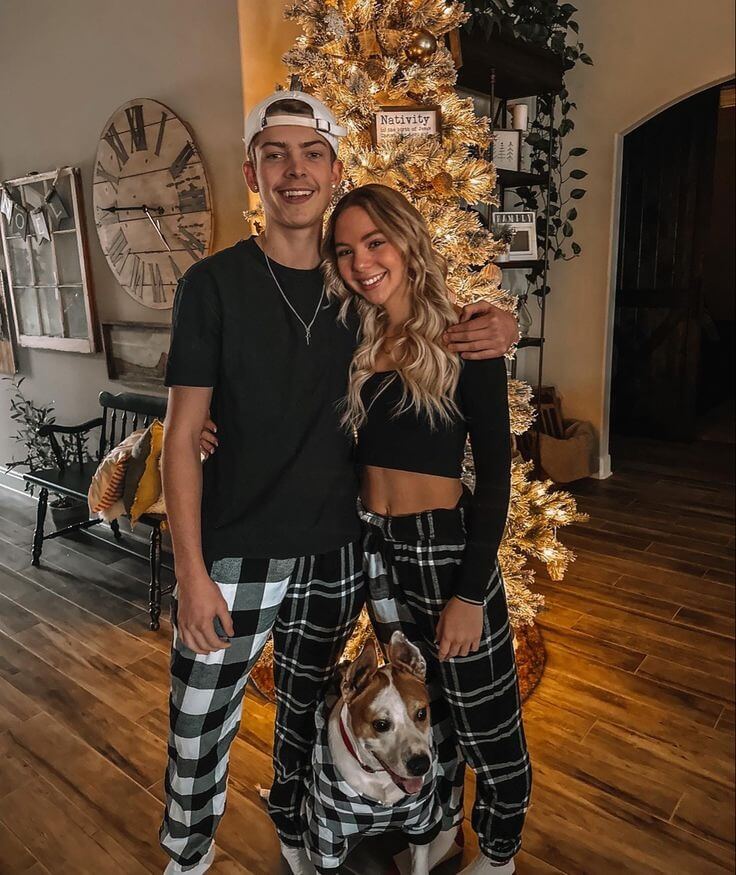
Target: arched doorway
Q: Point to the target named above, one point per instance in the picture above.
(673, 343)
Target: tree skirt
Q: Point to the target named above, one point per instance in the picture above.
(530, 658)
(528, 646)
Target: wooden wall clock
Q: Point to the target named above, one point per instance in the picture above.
(153, 208)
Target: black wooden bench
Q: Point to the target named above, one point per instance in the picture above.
(121, 414)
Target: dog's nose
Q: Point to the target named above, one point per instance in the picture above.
(418, 765)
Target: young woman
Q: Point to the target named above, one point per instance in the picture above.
(430, 546)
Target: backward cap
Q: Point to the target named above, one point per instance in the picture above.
(322, 120)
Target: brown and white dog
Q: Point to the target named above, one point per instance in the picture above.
(382, 721)
(379, 737)
(376, 738)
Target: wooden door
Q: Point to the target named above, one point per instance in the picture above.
(666, 195)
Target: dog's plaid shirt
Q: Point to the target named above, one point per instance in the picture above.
(334, 811)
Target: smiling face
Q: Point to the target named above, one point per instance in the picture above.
(368, 262)
(390, 720)
(294, 172)
(389, 711)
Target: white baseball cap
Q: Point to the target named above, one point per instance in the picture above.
(322, 120)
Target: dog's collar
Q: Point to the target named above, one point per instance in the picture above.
(351, 748)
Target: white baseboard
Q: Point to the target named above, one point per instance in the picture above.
(13, 481)
(604, 468)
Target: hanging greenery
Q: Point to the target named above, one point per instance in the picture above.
(549, 24)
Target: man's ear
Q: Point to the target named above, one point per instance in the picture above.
(249, 172)
(407, 656)
(337, 169)
(358, 674)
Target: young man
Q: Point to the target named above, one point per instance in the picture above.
(265, 534)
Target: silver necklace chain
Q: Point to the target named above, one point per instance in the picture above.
(307, 328)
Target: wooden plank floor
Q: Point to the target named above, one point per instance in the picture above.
(631, 730)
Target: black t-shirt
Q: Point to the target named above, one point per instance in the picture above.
(282, 482)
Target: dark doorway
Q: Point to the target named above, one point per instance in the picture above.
(673, 355)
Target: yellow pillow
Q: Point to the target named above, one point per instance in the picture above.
(149, 486)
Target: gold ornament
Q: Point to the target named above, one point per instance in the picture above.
(422, 46)
(493, 273)
(442, 183)
(374, 68)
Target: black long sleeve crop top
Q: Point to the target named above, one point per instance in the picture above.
(406, 442)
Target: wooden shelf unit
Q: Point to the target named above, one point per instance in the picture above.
(506, 68)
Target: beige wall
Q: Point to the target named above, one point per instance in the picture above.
(647, 55)
(65, 66)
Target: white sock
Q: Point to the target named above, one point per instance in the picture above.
(481, 865)
(445, 846)
(441, 848)
(199, 869)
(298, 861)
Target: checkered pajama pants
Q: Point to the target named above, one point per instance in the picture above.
(310, 605)
(410, 564)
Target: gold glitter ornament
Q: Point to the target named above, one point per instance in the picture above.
(422, 45)
(442, 183)
(374, 68)
(493, 273)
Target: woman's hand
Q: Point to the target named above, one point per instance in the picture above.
(483, 332)
(460, 629)
(208, 438)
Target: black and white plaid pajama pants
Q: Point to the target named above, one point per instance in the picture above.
(410, 563)
(310, 605)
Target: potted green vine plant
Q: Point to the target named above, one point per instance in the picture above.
(549, 24)
(29, 418)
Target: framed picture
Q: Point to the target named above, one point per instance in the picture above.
(507, 150)
(45, 247)
(523, 246)
(137, 352)
(7, 352)
(422, 121)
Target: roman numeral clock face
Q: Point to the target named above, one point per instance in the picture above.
(152, 203)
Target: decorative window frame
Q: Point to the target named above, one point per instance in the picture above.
(64, 342)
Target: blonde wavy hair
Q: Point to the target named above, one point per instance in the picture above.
(429, 372)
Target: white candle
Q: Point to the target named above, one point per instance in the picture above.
(520, 116)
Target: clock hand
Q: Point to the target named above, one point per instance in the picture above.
(144, 208)
(157, 227)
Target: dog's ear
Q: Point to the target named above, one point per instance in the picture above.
(405, 655)
(358, 674)
(334, 685)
